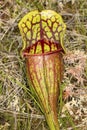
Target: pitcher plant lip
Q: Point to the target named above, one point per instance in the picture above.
(25, 54)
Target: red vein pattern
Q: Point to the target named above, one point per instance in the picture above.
(42, 25)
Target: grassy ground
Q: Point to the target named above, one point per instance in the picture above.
(18, 111)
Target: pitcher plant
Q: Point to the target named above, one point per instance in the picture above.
(42, 34)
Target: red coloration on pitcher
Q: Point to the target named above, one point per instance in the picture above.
(43, 49)
(44, 72)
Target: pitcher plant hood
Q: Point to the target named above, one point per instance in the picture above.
(36, 26)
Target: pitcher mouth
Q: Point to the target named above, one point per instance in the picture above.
(25, 54)
(43, 47)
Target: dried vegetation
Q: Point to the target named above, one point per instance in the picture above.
(18, 108)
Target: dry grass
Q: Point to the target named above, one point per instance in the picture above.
(18, 108)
